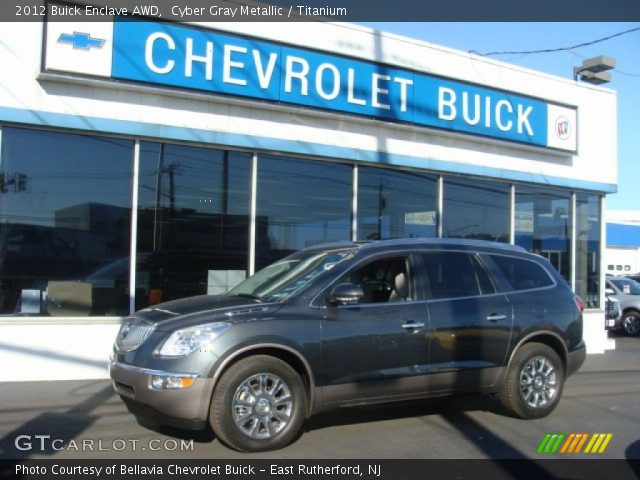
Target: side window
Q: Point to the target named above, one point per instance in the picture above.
(455, 274)
(383, 280)
(522, 274)
(484, 279)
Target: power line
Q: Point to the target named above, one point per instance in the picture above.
(562, 49)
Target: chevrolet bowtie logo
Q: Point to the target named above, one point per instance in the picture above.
(81, 41)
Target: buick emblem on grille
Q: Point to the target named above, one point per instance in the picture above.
(133, 334)
(125, 330)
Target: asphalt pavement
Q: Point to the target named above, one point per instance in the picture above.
(86, 419)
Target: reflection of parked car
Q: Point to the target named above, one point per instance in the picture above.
(160, 276)
(627, 292)
(32, 256)
(353, 323)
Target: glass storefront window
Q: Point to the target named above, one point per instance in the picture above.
(300, 203)
(543, 224)
(65, 217)
(193, 222)
(476, 209)
(393, 204)
(587, 266)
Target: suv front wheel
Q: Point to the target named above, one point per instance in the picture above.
(631, 323)
(259, 404)
(534, 381)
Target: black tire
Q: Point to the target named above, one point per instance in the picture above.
(630, 323)
(258, 404)
(524, 381)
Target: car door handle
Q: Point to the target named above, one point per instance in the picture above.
(494, 318)
(412, 325)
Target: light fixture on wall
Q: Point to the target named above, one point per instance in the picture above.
(594, 70)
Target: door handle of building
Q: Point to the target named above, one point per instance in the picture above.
(494, 318)
(412, 325)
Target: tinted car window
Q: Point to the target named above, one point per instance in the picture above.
(455, 274)
(522, 274)
(383, 280)
(484, 279)
(626, 285)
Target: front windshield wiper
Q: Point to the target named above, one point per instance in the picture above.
(250, 295)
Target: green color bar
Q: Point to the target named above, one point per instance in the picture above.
(558, 442)
(543, 443)
(547, 448)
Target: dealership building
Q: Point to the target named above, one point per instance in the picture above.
(144, 161)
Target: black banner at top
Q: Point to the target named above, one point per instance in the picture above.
(327, 10)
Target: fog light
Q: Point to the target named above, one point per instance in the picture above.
(171, 383)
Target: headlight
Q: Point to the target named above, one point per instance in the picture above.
(183, 342)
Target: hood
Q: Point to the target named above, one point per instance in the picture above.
(172, 310)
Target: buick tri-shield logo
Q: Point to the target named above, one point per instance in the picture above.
(125, 330)
(563, 128)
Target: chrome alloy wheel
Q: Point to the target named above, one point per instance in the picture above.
(538, 385)
(631, 324)
(262, 406)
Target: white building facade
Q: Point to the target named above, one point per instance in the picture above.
(622, 255)
(146, 161)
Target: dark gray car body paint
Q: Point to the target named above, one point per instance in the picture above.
(362, 354)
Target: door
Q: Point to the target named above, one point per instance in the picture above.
(470, 324)
(377, 348)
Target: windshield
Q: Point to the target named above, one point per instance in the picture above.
(289, 276)
(626, 285)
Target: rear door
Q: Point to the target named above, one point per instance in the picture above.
(470, 323)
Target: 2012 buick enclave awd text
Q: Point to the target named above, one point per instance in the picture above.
(353, 323)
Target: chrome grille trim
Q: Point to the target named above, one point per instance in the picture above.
(133, 333)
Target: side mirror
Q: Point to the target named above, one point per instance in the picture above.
(609, 291)
(345, 294)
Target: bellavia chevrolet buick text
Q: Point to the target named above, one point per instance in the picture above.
(353, 323)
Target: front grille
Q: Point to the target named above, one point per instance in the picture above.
(612, 308)
(133, 333)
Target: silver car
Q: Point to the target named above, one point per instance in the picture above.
(627, 292)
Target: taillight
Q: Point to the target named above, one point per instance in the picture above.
(579, 303)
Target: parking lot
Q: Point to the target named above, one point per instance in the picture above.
(86, 419)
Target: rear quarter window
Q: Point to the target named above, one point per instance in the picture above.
(455, 275)
(522, 274)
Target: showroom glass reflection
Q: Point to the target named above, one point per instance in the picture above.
(66, 209)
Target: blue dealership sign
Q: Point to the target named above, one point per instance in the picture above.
(227, 64)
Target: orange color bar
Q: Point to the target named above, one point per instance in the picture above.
(567, 442)
(584, 439)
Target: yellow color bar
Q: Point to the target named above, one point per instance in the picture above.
(596, 446)
(593, 440)
(606, 442)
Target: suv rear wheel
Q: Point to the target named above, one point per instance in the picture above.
(534, 381)
(258, 404)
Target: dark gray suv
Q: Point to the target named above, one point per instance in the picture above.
(353, 323)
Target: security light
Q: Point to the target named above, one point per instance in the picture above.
(593, 70)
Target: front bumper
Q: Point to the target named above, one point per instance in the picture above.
(575, 359)
(183, 408)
